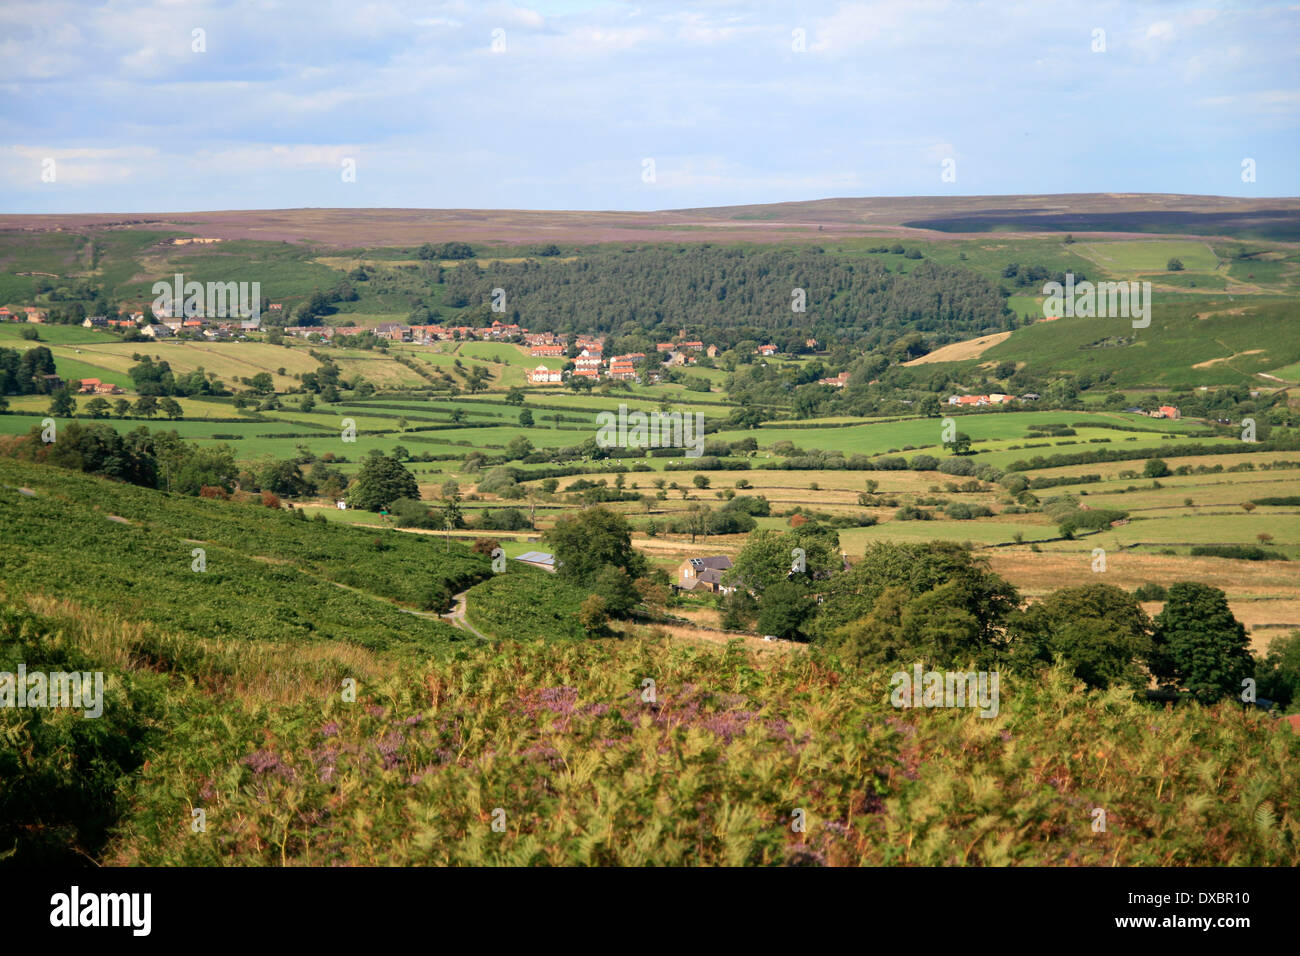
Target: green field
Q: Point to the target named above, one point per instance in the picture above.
(1127, 257)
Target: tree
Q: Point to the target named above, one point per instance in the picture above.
(959, 445)
(1174, 265)
(584, 543)
(262, 382)
(514, 395)
(170, 407)
(1099, 630)
(121, 408)
(62, 403)
(146, 406)
(739, 610)
(1199, 644)
(307, 403)
(381, 481)
(782, 609)
(616, 587)
(1155, 468)
(960, 610)
(592, 615)
(526, 418)
(1279, 671)
(518, 447)
(283, 478)
(701, 481)
(769, 556)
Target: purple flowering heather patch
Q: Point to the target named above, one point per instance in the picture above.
(267, 761)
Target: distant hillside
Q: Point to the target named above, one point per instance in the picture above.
(1188, 344)
(811, 220)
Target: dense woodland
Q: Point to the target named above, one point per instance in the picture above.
(736, 294)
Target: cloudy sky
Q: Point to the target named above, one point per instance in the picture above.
(560, 104)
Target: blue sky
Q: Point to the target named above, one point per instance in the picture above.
(731, 102)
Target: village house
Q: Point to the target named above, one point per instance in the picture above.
(1166, 411)
(996, 398)
(547, 351)
(704, 574)
(35, 315)
(711, 351)
(52, 382)
(664, 347)
(544, 376)
(95, 321)
(393, 331)
(543, 338)
(765, 350)
(693, 346)
(587, 372)
(156, 331)
(623, 371)
(835, 381)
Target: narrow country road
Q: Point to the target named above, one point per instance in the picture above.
(457, 618)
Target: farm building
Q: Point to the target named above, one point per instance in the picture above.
(538, 559)
(704, 574)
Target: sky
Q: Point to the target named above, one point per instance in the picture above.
(170, 106)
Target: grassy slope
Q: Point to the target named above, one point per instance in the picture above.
(269, 576)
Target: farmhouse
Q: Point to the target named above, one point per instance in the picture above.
(836, 381)
(1166, 411)
(765, 350)
(538, 559)
(544, 376)
(704, 574)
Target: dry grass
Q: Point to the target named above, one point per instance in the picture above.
(960, 351)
